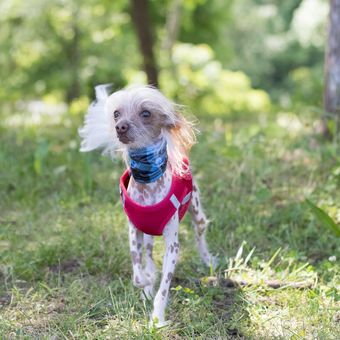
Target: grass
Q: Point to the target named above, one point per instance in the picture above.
(64, 260)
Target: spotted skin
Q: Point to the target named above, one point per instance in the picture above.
(169, 265)
(136, 238)
(149, 268)
(200, 223)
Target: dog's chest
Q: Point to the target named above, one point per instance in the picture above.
(151, 193)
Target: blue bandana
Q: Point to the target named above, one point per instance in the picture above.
(148, 164)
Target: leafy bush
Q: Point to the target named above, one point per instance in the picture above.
(196, 79)
(307, 85)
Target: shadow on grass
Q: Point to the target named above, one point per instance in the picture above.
(204, 307)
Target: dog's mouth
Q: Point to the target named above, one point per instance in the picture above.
(125, 139)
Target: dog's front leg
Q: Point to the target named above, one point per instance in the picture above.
(170, 234)
(136, 241)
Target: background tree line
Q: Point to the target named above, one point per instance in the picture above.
(64, 48)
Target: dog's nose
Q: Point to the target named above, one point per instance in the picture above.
(122, 127)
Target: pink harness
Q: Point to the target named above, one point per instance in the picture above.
(152, 219)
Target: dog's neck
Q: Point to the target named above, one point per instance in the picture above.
(151, 174)
(148, 163)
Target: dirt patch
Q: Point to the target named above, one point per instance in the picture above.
(67, 266)
(5, 300)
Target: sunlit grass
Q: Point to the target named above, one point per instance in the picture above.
(64, 259)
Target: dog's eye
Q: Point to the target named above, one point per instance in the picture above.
(116, 114)
(145, 114)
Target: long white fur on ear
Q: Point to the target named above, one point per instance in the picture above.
(96, 132)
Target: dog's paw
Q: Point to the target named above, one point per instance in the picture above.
(156, 322)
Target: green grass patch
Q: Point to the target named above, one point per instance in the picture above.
(64, 260)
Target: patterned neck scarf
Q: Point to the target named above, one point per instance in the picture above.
(148, 164)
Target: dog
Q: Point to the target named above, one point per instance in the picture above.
(154, 138)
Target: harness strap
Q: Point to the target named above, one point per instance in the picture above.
(175, 201)
(186, 198)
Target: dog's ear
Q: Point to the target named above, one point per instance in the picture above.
(171, 122)
(96, 132)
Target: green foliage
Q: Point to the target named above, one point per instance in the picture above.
(324, 219)
(66, 47)
(269, 40)
(40, 155)
(198, 80)
(306, 85)
(63, 46)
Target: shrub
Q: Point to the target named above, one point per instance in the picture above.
(196, 79)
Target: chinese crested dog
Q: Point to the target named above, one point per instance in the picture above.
(157, 188)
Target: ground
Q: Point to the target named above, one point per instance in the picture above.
(64, 261)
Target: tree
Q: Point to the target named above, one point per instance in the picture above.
(143, 26)
(332, 63)
(63, 48)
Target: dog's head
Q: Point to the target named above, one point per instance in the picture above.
(136, 117)
(139, 115)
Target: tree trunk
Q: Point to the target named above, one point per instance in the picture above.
(332, 63)
(143, 27)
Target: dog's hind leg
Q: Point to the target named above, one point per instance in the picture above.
(200, 223)
(170, 235)
(150, 270)
(136, 242)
